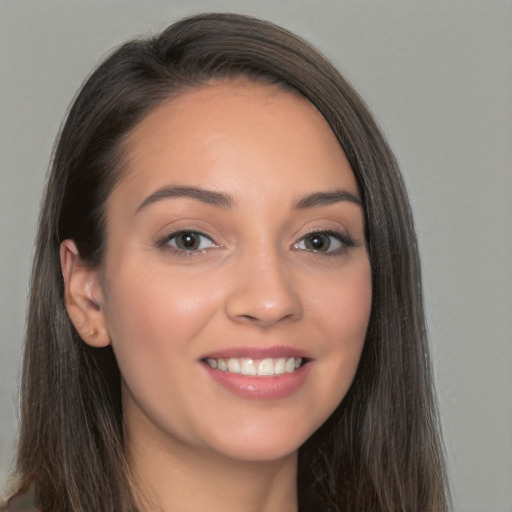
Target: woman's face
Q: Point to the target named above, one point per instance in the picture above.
(235, 250)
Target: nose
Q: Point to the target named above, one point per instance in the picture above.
(263, 291)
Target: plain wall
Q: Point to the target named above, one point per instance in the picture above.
(438, 77)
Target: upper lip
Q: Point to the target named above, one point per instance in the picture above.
(273, 352)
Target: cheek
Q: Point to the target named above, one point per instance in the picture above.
(150, 300)
(154, 317)
(351, 313)
(343, 312)
(343, 306)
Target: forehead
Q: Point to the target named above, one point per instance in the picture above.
(236, 134)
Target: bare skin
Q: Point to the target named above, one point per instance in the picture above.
(235, 234)
(215, 483)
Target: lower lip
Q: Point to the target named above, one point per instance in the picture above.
(262, 388)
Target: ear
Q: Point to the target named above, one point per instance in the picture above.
(83, 295)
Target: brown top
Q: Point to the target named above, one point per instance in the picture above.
(25, 500)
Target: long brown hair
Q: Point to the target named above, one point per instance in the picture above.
(381, 449)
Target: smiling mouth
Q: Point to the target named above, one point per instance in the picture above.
(256, 367)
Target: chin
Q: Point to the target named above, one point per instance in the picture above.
(260, 452)
(261, 444)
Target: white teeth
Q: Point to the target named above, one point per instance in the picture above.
(266, 367)
(289, 365)
(248, 367)
(251, 367)
(233, 365)
(280, 364)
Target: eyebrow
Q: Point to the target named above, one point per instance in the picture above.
(224, 201)
(326, 198)
(200, 194)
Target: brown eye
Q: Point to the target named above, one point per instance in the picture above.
(190, 241)
(327, 242)
(318, 242)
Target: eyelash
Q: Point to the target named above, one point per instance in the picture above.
(344, 240)
(164, 243)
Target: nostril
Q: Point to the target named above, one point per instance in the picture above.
(263, 301)
(248, 317)
(266, 317)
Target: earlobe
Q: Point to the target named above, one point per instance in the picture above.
(83, 296)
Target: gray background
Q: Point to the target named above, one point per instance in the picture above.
(437, 75)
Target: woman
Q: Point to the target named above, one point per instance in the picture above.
(226, 308)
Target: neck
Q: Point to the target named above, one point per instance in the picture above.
(174, 477)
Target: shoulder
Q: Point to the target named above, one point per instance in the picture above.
(25, 500)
